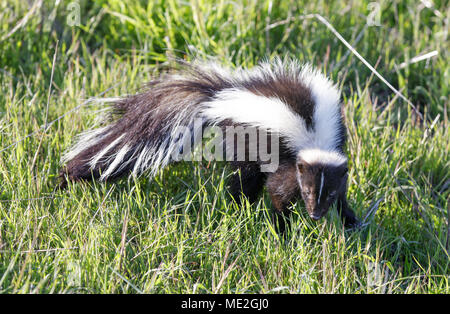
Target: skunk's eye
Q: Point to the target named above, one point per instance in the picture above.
(332, 195)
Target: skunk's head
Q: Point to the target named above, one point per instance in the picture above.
(322, 176)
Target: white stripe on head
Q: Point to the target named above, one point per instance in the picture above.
(321, 186)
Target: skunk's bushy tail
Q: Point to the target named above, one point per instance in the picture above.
(143, 136)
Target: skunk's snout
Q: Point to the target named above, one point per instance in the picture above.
(317, 212)
(315, 216)
(314, 211)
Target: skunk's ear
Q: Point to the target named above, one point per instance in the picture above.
(302, 166)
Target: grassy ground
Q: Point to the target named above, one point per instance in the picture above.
(180, 233)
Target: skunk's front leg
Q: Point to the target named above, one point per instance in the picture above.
(347, 215)
(283, 188)
(248, 180)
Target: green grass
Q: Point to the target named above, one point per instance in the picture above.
(180, 233)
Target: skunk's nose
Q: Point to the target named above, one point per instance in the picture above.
(315, 216)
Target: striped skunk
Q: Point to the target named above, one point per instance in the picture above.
(293, 105)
